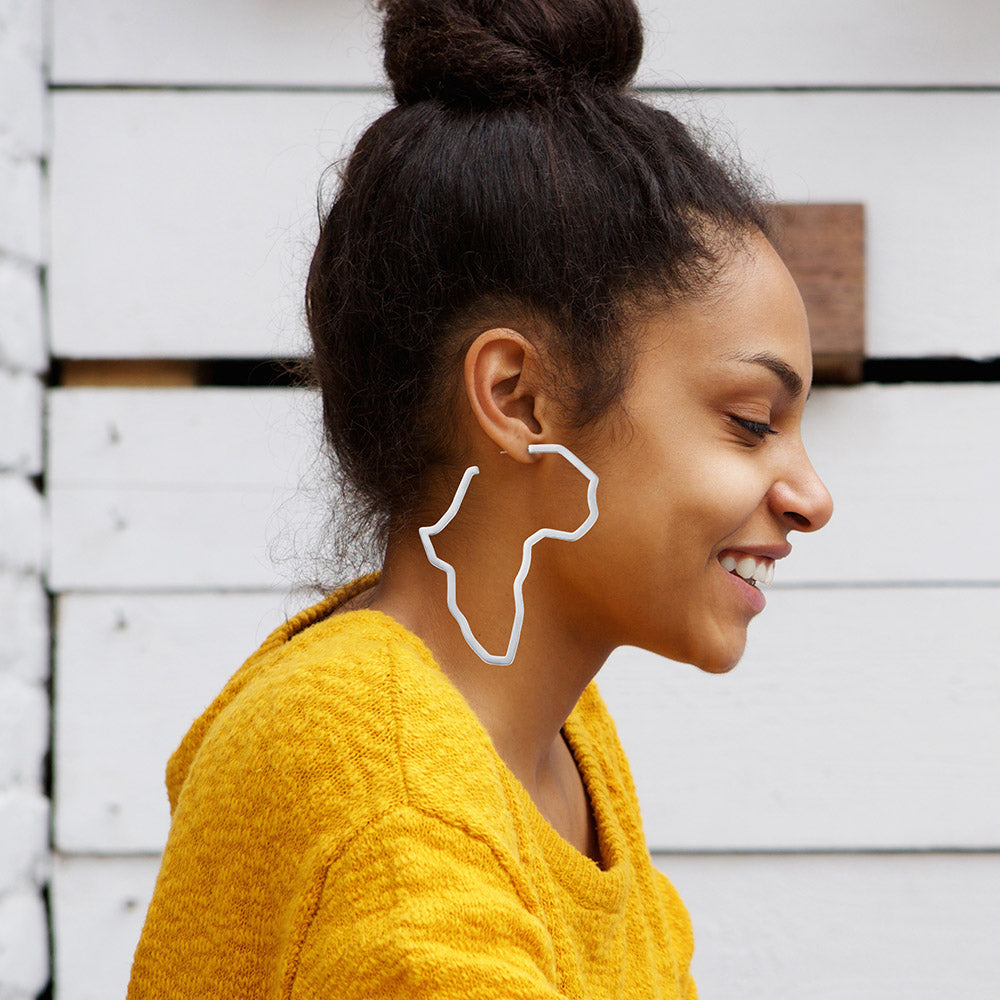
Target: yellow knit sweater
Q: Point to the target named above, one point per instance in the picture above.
(343, 828)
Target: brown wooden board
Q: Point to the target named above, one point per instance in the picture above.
(824, 248)
(128, 373)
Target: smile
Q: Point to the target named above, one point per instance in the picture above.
(756, 570)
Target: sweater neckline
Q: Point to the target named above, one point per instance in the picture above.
(604, 885)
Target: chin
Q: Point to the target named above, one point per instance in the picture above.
(720, 657)
(719, 666)
(715, 659)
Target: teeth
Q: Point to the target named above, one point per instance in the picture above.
(750, 569)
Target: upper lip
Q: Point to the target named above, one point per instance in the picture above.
(761, 551)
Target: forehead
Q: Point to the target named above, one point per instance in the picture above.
(753, 311)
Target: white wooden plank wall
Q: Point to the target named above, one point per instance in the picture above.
(801, 927)
(237, 237)
(129, 473)
(322, 44)
(880, 735)
(830, 810)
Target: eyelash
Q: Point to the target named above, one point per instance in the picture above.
(757, 429)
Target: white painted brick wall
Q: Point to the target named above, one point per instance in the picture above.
(22, 127)
(22, 340)
(24, 840)
(24, 952)
(21, 187)
(22, 99)
(20, 422)
(21, 521)
(24, 736)
(24, 633)
(872, 741)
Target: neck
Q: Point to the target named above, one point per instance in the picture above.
(522, 706)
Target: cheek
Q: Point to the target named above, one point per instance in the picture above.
(673, 502)
(710, 499)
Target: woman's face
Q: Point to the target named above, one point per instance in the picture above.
(708, 473)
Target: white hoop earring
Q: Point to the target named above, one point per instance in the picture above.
(426, 533)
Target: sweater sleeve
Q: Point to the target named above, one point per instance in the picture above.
(416, 908)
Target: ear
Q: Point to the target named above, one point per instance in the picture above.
(505, 387)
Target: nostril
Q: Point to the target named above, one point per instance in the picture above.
(802, 522)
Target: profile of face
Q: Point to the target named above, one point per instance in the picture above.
(703, 473)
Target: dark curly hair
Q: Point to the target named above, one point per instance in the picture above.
(517, 176)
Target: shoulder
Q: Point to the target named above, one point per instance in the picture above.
(414, 905)
(344, 721)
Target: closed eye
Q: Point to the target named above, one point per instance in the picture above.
(753, 426)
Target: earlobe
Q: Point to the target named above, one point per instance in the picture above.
(502, 384)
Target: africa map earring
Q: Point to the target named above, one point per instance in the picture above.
(426, 533)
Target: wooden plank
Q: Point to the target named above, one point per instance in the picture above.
(823, 247)
(259, 438)
(911, 472)
(225, 42)
(214, 265)
(190, 486)
(98, 908)
(162, 539)
(165, 372)
(813, 928)
(858, 719)
(824, 928)
(153, 664)
(720, 44)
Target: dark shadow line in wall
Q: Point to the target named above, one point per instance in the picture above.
(265, 372)
(827, 88)
(892, 371)
(646, 88)
(62, 86)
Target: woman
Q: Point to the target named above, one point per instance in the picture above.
(563, 373)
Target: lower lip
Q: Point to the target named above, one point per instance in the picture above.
(751, 594)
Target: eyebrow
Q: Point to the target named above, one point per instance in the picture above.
(788, 376)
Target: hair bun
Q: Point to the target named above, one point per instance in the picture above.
(507, 51)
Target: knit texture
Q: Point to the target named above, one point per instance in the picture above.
(343, 828)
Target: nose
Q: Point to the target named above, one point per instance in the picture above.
(800, 499)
